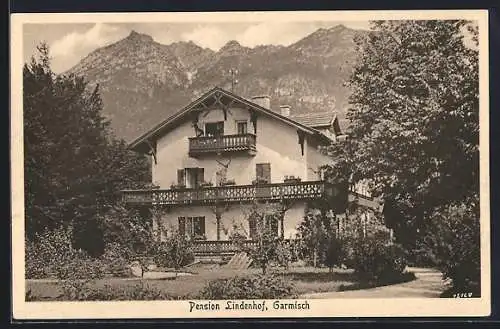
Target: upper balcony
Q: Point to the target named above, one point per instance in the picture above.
(204, 145)
(236, 193)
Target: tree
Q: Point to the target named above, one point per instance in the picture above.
(414, 117)
(74, 167)
(265, 220)
(313, 233)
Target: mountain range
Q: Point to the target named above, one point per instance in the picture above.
(143, 82)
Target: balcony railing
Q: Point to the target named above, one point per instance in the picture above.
(235, 193)
(223, 246)
(228, 143)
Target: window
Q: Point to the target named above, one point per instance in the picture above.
(192, 227)
(242, 127)
(214, 129)
(190, 177)
(263, 172)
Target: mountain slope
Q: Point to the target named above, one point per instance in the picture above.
(142, 82)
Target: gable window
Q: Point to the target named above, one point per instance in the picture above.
(263, 172)
(192, 227)
(242, 127)
(214, 129)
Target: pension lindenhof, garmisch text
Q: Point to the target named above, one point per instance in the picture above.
(248, 305)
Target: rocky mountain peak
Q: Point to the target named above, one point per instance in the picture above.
(144, 81)
(139, 37)
(231, 46)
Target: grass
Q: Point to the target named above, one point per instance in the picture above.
(305, 280)
(406, 277)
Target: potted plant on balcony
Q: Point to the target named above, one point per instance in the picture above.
(228, 182)
(259, 181)
(199, 237)
(291, 179)
(206, 184)
(177, 186)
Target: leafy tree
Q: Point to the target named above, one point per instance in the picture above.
(414, 120)
(269, 246)
(175, 250)
(313, 233)
(74, 167)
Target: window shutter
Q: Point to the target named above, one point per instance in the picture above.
(182, 226)
(201, 224)
(266, 172)
(200, 176)
(220, 128)
(189, 226)
(181, 177)
(259, 171)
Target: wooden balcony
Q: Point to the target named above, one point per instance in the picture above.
(237, 193)
(223, 246)
(203, 145)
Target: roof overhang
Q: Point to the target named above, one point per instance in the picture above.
(143, 143)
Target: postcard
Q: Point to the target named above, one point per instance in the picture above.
(250, 164)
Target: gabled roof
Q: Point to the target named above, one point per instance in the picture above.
(315, 120)
(141, 143)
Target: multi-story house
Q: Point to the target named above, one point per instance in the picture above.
(221, 153)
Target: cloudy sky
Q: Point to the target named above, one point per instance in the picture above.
(71, 42)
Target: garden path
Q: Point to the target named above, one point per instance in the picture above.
(428, 283)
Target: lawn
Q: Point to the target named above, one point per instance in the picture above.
(305, 280)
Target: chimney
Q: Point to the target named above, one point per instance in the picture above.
(263, 100)
(285, 110)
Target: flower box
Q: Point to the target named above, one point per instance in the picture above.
(259, 181)
(177, 187)
(199, 237)
(292, 179)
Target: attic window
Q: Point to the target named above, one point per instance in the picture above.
(242, 127)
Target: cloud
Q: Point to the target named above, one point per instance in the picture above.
(274, 33)
(262, 33)
(208, 36)
(69, 49)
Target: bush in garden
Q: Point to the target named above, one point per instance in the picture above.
(139, 291)
(375, 260)
(255, 287)
(335, 253)
(313, 235)
(455, 241)
(45, 252)
(174, 252)
(284, 253)
(116, 260)
(35, 266)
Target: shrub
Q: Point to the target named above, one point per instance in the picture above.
(375, 260)
(284, 254)
(174, 252)
(334, 253)
(455, 241)
(116, 260)
(137, 292)
(47, 252)
(255, 287)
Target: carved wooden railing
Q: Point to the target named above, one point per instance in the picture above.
(227, 143)
(235, 193)
(223, 246)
